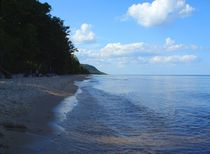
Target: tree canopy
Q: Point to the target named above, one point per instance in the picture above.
(32, 40)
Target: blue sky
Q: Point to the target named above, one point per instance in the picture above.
(139, 36)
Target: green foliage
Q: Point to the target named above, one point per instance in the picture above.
(33, 41)
(92, 70)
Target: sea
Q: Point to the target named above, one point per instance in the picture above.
(134, 114)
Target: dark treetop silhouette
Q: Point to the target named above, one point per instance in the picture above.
(32, 41)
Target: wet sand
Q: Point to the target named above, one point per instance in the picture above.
(26, 109)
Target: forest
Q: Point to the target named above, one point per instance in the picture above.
(33, 42)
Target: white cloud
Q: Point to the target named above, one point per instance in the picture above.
(159, 11)
(173, 59)
(84, 34)
(118, 49)
(114, 50)
(88, 53)
(171, 45)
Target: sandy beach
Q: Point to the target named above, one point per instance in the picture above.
(26, 108)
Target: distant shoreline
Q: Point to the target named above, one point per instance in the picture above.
(26, 108)
(162, 74)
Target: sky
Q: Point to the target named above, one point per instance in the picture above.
(154, 37)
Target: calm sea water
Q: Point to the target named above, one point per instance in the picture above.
(137, 114)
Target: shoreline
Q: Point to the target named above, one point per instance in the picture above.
(28, 108)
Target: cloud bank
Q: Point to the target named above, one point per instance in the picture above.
(173, 59)
(141, 52)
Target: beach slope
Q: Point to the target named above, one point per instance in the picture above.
(26, 108)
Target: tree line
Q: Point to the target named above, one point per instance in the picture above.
(32, 41)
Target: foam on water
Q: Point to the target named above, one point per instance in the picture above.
(66, 106)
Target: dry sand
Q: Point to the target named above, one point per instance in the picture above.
(26, 108)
